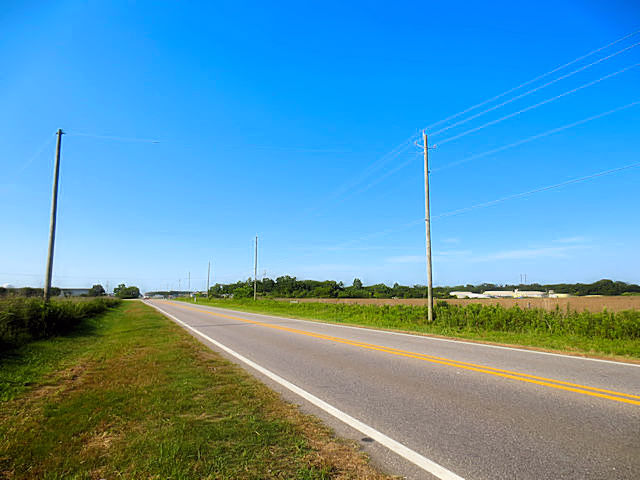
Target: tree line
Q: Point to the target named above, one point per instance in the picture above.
(290, 287)
(121, 291)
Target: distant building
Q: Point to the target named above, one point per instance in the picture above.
(529, 294)
(74, 292)
(500, 293)
(515, 294)
(468, 295)
(553, 294)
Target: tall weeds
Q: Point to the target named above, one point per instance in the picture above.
(624, 325)
(25, 319)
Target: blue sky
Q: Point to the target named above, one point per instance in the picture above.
(274, 119)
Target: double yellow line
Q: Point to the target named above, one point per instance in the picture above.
(523, 377)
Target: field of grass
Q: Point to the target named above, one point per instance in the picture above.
(608, 334)
(128, 394)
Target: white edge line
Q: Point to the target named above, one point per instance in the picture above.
(396, 447)
(425, 337)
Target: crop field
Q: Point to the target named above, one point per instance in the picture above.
(591, 304)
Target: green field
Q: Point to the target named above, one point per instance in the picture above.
(128, 394)
(609, 334)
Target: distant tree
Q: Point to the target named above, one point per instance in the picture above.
(357, 283)
(122, 291)
(268, 285)
(244, 291)
(96, 291)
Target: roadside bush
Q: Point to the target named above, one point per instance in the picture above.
(25, 319)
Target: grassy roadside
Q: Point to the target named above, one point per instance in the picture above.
(483, 324)
(131, 395)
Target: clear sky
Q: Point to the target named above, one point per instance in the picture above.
(273, 118)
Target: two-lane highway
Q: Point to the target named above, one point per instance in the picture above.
(432, 408)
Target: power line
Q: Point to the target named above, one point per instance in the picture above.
(459, 211)
(531, 107)
(386, 158)
(528, 82)
(537, 136)
(499, 149)
(108, 137)
(31, 159)
(392, 154)
(537, 190)
(387, 174)
(529, 92)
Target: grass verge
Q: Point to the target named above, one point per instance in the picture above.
(131, 395)
(607, 334)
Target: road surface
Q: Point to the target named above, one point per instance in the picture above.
(430, 408)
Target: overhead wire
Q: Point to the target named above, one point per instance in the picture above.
(499, 149)
(539, 104)
(392, 154)
(109, 137)
(33, 157)
(529, 82)
(535, 137)
(537, 190)
(386, 175)
(533, 90)
(460, 211)
(374, 167)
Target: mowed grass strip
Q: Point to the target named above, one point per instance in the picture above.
(132, 395)
(613, 335)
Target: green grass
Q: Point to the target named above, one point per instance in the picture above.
(600, 334)
(129, 394)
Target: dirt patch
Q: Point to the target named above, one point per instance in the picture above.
(591, 304)
(100, 441)
(61, 381)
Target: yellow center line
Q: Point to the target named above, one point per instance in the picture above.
(523, 377)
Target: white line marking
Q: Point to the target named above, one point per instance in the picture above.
(424, 336)
(396, 447)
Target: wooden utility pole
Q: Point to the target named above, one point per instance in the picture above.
(54, 210)
(208, 274)
(255, 272)
(427, 221)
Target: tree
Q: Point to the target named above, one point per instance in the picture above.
(357, 283)
(122, 291)
(96, 291)
(244, 291)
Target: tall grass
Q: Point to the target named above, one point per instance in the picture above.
(604, 332)
(25, 319)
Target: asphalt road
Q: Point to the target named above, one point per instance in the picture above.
(430, 408)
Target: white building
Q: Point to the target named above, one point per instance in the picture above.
(468, 295)
(500, 293)
(530, 294)
(515, 294)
